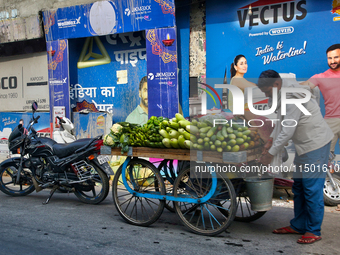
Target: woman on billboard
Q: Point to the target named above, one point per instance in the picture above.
(238, 69)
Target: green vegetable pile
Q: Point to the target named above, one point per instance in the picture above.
(176, 133)
(222, 137)
(179, 133)
(124, 134)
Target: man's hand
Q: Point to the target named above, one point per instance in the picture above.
(266, 159)
(267, 146)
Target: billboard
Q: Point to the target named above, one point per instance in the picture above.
(58, 75)
(113, 86)
(161, 48)
(10, 120)
(108, 17)
(290, 37)
(23, 81)
(287, 36)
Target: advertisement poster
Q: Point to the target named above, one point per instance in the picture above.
(58, 111)
(58, 75)
(162, 72)
(91, 124)
(23, 81)
(113, 86)
(108, 17)
(290, 37)
(10, 120)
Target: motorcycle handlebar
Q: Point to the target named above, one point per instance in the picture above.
(33, 121)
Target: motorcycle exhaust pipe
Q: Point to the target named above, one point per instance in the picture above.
(74, 182)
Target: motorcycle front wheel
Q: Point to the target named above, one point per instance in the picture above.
(95, 189)
(8, 175)
(331, 195)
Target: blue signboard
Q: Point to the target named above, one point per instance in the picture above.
(108, 17)
(286, 36)
(108, 53)
(162, 72)
(58, 76)
(10, 120)
(114, 86)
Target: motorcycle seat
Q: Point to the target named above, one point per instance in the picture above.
(63, 150)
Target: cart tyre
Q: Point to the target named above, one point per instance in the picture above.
(205, 218)
(244, 213)
(240, 214)
(128, 204)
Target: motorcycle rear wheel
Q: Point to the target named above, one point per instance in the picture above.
(8, 175)
(93, 191)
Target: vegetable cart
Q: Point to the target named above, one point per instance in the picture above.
(205, 201)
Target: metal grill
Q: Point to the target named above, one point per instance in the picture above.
(82, 170)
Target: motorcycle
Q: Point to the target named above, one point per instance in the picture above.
(43, 163)
(331, 188)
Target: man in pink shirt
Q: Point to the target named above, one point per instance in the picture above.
(329, 85)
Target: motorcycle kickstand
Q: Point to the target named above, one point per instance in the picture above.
(55, 187)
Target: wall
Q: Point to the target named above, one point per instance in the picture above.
(26, 8)
(197, 41)
(20, 20)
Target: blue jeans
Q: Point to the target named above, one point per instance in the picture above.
(308, 190)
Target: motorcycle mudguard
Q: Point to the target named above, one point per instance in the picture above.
(9, 161)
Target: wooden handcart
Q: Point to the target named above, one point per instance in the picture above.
(205, 201)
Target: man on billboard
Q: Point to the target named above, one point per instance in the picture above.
(311, 136)
(140, 114)
(329, 85)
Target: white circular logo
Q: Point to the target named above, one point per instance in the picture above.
(127, 12)
(151, 76)
(99, 10)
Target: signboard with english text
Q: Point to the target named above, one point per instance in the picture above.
(24, 80)
(290, 37)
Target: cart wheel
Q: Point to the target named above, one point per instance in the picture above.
(169, 171)
(209, 218)
(142, 177)
(244, 213)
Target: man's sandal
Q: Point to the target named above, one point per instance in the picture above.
(285, 230)
(308, 239)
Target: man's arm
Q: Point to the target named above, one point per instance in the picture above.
(287, 131)
(308, 83)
